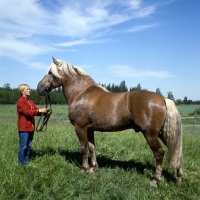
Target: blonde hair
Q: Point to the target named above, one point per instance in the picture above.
(22, 87)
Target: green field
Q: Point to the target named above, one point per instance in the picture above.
(126, 163)
(185, 110)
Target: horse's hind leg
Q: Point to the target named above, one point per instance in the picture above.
(91, 146)
(158, 154)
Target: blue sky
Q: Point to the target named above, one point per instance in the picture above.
(152, 42)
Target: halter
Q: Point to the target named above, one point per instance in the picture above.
(46, 115)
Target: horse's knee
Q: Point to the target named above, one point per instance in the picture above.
(91, 147)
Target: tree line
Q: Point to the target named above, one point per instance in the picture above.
(10, 96)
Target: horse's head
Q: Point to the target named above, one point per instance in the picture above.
(51, 80)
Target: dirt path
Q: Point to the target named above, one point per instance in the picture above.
(190, 117)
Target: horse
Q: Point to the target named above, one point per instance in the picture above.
(93, 108)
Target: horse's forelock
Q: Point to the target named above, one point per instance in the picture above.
(54, 70)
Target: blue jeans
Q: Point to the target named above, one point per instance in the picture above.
(24, 151)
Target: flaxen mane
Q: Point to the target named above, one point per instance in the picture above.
(69, 69)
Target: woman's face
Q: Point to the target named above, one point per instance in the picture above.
(26, 91)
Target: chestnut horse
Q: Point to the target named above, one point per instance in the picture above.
(93, 108)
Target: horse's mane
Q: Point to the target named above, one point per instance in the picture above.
(69, 69)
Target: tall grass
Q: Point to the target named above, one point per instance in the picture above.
(126, 164)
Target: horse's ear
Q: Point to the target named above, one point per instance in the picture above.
(55, 61)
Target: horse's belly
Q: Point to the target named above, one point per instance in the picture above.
(110, 128)
(110, 123)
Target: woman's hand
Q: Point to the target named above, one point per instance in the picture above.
(43, 110)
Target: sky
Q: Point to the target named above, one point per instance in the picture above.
(154, 43)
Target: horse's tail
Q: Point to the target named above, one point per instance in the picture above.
(172, 133)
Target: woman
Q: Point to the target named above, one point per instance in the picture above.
(26, 110)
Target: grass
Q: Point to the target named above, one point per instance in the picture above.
(126, 164)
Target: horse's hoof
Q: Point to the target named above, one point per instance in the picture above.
(84, 171)
(91, 170)
(181, 178)
(184, 175)
(154, 183)
(181, 173)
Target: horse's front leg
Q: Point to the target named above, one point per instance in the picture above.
(83, 139)
(91, 145)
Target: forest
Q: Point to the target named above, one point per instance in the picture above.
(10, 95)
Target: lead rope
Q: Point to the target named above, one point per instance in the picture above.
(45, 116)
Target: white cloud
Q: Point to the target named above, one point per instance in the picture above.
(20, 50)
(81, 41)
(144, 12)
(127, 72)
(140, 28)
(30, 27)
(134, 3)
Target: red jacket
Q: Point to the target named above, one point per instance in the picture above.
(26, 110)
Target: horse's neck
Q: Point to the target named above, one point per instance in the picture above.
(73, 88)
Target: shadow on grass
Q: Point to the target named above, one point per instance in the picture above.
(103, 162)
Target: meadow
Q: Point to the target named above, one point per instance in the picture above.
(125, 160)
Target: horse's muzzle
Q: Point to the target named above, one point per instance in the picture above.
(41, 91)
